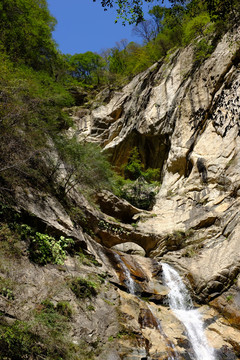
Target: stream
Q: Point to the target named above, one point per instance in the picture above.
(181, 304)
(130, 284)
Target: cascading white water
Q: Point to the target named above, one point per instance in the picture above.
(181, 304)
(128, 279)
(130, 283)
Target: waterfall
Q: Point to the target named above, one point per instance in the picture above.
(181, 304)
(130, 283)
(128, 279)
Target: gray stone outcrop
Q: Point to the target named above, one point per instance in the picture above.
(185, 120)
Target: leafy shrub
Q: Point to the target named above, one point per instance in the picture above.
(140, 193)
(90, 308)
(64, 308)
(83, 288)
(85, 164)
(196, 27)
(6, 292)
(52, 316)
(30, 112)
(43, 248)
(141, 186)
(203, 50)
(135, 168)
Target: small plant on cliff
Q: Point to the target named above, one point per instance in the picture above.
(64, 308)
(52, 316)
(83, 288)
(229, 297)
(7, 293)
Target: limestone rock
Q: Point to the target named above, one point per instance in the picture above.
(185, 121)
(130, 248)
(116, 207)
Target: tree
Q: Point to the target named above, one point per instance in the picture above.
(26, 32)
(146, 30)
(131, 10)
(157, 13)
(86, 67)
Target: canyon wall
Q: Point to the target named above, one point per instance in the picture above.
(183, 117)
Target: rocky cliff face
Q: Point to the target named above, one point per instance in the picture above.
(184, 119)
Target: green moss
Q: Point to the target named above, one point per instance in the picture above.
(64, 308)
(108, 302)
(229, 297)
(83, 288)
(87, 259)
(17, 342)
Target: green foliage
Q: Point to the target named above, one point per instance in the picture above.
(52, 324)
(141, 186)
(26, 32)
(134, 168)
(7, 213)
(9, 243)
(17, 342)
(83, 288)
(196, 27)
(53, 317)
(64, 308)
(87, 68)
(189, 252)
(43, 248)
(139, 192)
(203, 50)
(44, 338)
(31, 112)
(85, 163)
(87, 259)
(6, 288)
(46, 249)
(7, 293)
(131, 10)
(169, 28)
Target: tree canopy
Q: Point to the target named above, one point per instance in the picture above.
(131, 10)
(86, 67)
(26, 32)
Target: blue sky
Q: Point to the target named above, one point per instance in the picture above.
(83, 26)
